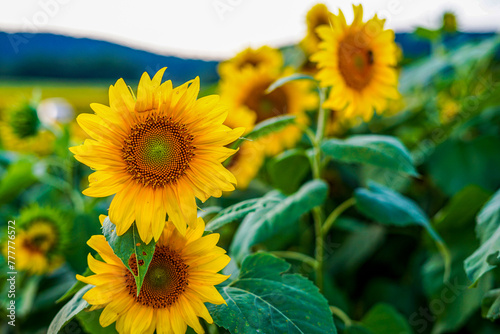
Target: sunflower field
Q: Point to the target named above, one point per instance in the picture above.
(349, 183)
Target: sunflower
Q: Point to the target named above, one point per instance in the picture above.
(156, 153)
(245, 164)
(180, 279)
(42, 234)
(22, 131)
(264, 57)
(358, 61)
(245, 94)
(317, 16)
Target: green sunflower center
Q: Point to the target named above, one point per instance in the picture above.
(165, 281)
(267, 105)
(355, 60)
(158, 151)
(24, 121)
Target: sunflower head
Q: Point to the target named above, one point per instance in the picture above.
(156, 153)
(358, 61)
(24, 121)
(41, 240)
(449, 22)
(245, 164)
(179, 280)
(265, 57)
(21, 131)
(317, 16)
(247, 97)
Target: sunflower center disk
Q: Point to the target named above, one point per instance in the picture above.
(158, 151)
(267, 105)
(165, 281)
(41, 237)
(356, 61)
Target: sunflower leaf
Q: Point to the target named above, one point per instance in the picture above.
(128, 244)
(388, 207)
(383, 151)
(281, 81)
(487, 256)
(265, 300)
(241, 209)
(68, 311)
(276, 219)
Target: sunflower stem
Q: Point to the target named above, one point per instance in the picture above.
(296, 256)
(332, 218)
(341, 315)
(317, 212)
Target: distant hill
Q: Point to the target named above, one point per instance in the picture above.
(27, 55)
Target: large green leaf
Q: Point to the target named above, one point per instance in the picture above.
(274, 219)
(377, 150)
(487, 256)
(264, 300)
(288, 169)
(389, 207)
(126, 245)
(68, 311)
(385, 319)
(241, 209)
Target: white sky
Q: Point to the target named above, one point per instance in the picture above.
(219, 28)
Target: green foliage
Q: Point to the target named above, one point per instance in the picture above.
(386, 206)
(282, 81)
(385, 319)
(274, 219)
(68, 311)
(129, 244)
(288, 169)
(19, 175)
(264, 299)
(382, 151)
(487, 256)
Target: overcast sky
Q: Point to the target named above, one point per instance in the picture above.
(218, 28)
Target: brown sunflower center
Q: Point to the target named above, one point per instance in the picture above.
(250, 60)
(158, 151)
(267, 105)
(41, 237)
(356, 60)
(165, 281)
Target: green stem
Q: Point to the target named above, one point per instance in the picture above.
(341, 315)
(318, 224)
(445, 253)
(296, 256)
(316, 167)
(332, 218)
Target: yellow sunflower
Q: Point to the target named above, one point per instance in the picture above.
(22, 131)
(317, 16)
(245, 164)
(156, 153)
(245, 94)
(180, 279)
(264, 57)
(358, 62)
(41, 238)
